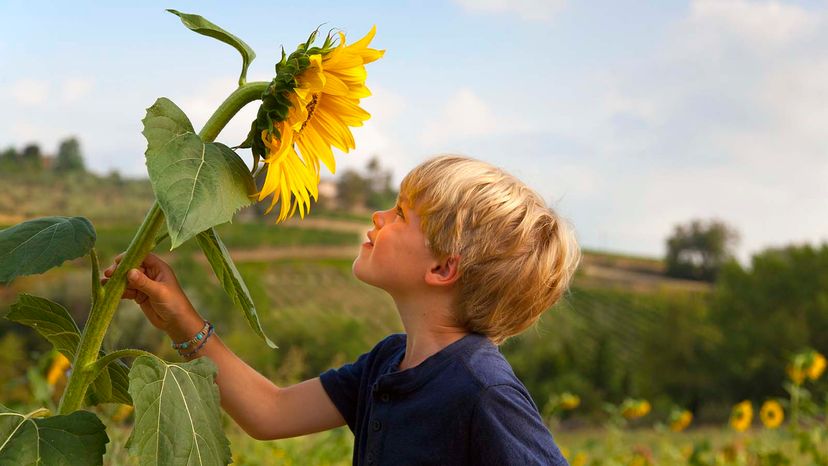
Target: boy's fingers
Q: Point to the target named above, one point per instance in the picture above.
(138, 280)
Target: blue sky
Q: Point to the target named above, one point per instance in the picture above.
(628, 117)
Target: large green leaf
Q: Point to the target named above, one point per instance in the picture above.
(54, 323)
(177, 413)
(204, 27)
(231, 279)
(198, 185)
(38, 245)
(76, 439)
(51, 320)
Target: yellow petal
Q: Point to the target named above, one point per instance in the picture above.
(335, 86)
(347, 110)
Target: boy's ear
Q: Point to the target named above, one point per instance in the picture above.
(444, 272)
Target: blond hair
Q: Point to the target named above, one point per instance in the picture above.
(516, 255)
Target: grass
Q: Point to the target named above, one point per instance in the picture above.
(594, 446)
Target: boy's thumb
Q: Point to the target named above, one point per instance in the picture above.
(141, 282)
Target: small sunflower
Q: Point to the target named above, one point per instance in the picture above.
(680, 419)
(309, 108)
(742, 416)
(569, 401)
(809, 364)
(57, 371)
(122, 413)
(817, 366)
(771, 414)
(634, 409)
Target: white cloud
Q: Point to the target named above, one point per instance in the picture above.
(758, 24)
(465, 115)
(30, 91)
(535, 10)
(75, 89)
(725, 120)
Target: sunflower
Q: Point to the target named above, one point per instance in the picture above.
(809, 364)
(634, 409)
(680, 419)
(57, 371)
(817, 366)
(569, 401)
(772, 414)
(310, 109)
(742, 416)
(122, 413)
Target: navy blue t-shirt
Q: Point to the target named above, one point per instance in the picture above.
(463, 405)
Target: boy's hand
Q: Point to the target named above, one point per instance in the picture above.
(154, 287)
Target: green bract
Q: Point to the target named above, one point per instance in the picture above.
(198, 184)
(38, 245)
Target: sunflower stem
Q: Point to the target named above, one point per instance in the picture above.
(232, 104)
(103, 309)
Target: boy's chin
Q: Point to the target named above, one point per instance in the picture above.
(358, 269)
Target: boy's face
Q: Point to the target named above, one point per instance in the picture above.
(395, 257)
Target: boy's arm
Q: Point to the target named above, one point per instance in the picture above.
(264, 410)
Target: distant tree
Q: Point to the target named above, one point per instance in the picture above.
(371, 189)
(31, 159)
(698, 250)
(9, 160)
(776, 307)
(69, 157)
(352, 189)
(380, 194)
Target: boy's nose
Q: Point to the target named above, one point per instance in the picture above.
(376, 219)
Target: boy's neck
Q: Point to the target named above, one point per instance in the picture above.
(429, 327)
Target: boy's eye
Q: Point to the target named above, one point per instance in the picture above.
(400, 212)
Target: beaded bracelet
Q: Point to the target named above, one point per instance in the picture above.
(197, 338)
(203, 342)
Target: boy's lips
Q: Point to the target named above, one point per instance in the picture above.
(370, 241)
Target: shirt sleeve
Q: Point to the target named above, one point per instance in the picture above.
(507, 429)
(342, 386)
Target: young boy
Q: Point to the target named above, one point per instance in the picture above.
(471, 257)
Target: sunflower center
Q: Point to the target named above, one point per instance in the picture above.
(310, 107)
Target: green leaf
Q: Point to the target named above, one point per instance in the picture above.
(230, 278)
(75, 439)
(206, 28)
(54, 323)
(163, 123)
(177, 413)
(40, 244)
(198, 185)
(51, 320)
